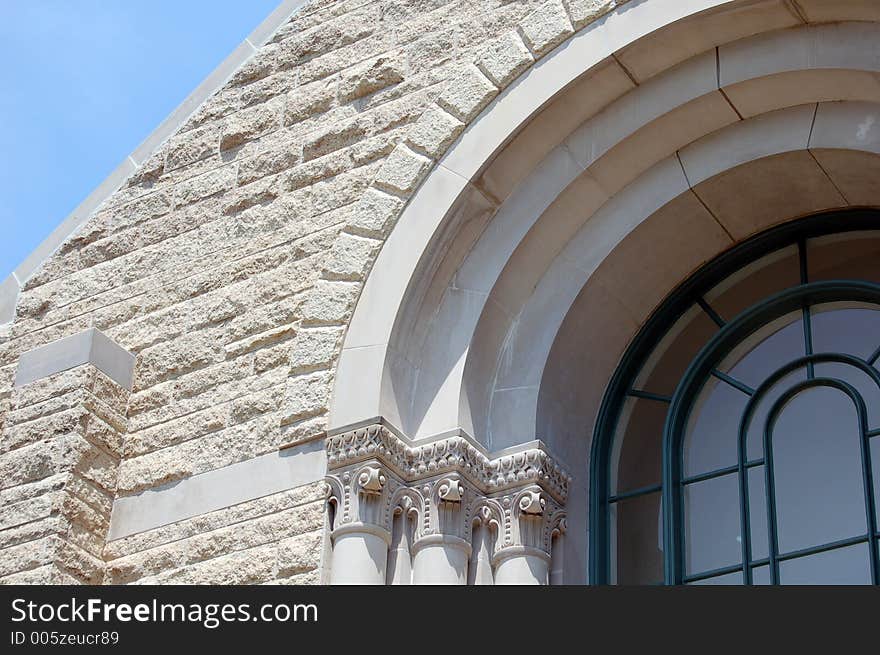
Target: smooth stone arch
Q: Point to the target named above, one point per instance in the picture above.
(367, 342)
(508, 352)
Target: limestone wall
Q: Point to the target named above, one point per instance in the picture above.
(230, 264)
(60, 455)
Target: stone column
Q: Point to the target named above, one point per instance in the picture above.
(360, 555)
(361, 536)
(519, 565)
(524, 558)
(442, 551)
(449, 486)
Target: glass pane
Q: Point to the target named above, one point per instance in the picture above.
(675, 352)
(849, 565)
(735, 578)
(639, 445)
(863, 383)
(854, 255)
(710, 442)
(771, 274)
(712, 524)
(638, 554)
(818, 473)
(761, 575)
(855, 331)
(758, 422)
(784, 342)
(758, 513)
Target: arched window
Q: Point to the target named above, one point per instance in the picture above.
(739, 439)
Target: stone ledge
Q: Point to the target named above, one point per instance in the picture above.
(214, 490)
(88, 347)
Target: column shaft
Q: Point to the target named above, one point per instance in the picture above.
(441, 559)
(522, 565)
(360, 555)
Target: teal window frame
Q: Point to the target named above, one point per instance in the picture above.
(705, 365)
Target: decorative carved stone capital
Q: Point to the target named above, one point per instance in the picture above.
(531, 503)
(450, 491)
(447, 486)
(371, 481)
(455, 454)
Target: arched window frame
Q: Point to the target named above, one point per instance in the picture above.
(702, 367)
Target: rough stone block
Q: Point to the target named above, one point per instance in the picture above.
(375, 213)
(546, 27)
(310, 99)
(306, 396)
(402, 171)
(470, 92)
(584, 12)
(434, 132)
(350, 257)
(504, 59)
(371, 76)
(329, 303)
(204, 186)
(192, 146)
(313, 349)
(251, 123)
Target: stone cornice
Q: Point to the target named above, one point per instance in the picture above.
(453, 454)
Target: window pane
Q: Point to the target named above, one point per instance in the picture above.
(761, 575)
(855, 331)
(639, 445)
(818, 473)
(755, 431)
(758, 512)
(712, 522)
(784, 344)
(848, 565)
(710, 442)
(771, 274)
(728, 579)
(862, 382)
(854, 255)
(675, 352)
(639, 559)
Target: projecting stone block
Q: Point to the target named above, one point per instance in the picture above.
(88, 347)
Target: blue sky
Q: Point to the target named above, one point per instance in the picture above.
(83, 82)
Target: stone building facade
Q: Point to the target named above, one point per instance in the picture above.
(353, 317)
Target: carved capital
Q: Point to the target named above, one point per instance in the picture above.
(447, 486)
(531, 503)
(415, 462)
(371, 480)
(450, 490)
